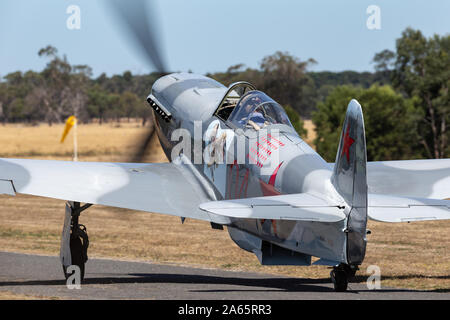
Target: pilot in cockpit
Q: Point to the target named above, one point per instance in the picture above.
(252, 115)
(257, 119)
(256, 110)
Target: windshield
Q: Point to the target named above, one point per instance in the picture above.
(257, 110)
(234, 92)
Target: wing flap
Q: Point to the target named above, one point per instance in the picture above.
(404, 209)
(300, 207)
(6, 187)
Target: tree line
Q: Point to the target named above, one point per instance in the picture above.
(405, 101)
(405, 118)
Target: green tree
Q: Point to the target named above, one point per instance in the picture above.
(421, 68)
(15, 97)
(296, 121)
(143, 111)
(390, 123)
(129, 104)
(99, 101)
(114, 111)
(49, 94)
(61, 88)
(285, 80)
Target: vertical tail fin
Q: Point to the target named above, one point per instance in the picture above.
(350, 180)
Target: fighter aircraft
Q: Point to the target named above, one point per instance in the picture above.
(237, 162)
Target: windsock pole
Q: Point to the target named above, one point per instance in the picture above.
(71, 122)
(75, 142)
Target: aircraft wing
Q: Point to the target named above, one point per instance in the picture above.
(300, 206)
(161, 187)
(413, 178)
(306, 207)
(404, 209)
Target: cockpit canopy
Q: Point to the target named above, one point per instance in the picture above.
(257, 110)
(234, 93)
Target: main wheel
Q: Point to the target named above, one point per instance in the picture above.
(78, 257)
(339, 279)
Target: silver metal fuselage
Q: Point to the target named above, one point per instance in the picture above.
(192, 101)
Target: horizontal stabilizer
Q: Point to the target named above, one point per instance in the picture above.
(425, 178)
(404, 209)
(300, 206)
(410, 178)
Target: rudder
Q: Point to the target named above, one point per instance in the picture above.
(350, 180)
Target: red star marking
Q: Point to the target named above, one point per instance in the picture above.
(347, 143)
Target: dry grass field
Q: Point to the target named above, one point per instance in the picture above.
(414, 255)
(309, 126)
(107, 142)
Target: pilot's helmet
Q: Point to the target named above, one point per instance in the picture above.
(253, 102)
(256, 100)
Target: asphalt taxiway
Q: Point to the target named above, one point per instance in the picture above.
(42, 276)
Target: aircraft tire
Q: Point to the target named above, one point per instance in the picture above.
(339, 279)
(76, 252)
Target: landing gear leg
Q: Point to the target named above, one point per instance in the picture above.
(75, 241)
(340, 276)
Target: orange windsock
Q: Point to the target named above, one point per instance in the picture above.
(70, 122)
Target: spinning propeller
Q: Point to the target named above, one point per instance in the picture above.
(136, 17)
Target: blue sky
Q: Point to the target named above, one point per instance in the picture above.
(208, 36)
